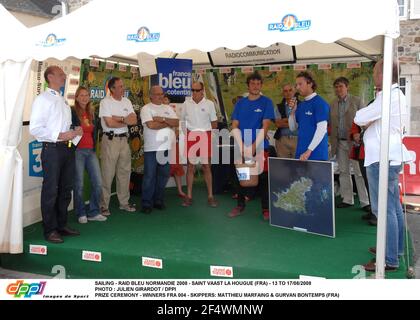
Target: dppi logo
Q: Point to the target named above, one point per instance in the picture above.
(27, 290)
(51, 41)
(290, 23)
(143, 35)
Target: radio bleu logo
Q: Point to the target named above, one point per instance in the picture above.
(20, 289)
(51, 41)
(144, 35)
(289, 23)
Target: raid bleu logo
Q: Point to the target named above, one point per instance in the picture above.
(290, 23)
(51, 41)
(144, 35)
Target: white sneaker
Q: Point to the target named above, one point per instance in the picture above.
(98, 217)
(128, 208)
(83, 219)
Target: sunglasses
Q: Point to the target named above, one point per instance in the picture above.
(196, 90)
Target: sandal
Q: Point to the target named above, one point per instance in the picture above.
(212, 202)
(187, 202)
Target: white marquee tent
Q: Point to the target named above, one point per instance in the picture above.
(318, 29)
(14, 72)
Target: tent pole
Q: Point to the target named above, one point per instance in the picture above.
(384, 159)
(349, 47)
(63, 8)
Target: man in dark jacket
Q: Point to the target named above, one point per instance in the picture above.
(286, 139)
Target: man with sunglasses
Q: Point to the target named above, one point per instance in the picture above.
(199, 115)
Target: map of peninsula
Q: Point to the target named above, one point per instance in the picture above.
(293, 199)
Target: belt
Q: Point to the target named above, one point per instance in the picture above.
(117, 135)
(67, 144)
(55, 143)
(343, 139)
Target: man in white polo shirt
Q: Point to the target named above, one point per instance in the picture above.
(116, 112)
(200, 118)
(157, 120)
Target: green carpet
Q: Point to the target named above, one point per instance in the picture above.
(189, 240)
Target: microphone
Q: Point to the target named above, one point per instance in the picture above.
(69, 142)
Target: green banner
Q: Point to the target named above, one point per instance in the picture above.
(233, 85)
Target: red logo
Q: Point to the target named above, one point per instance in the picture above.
(152, 262)
(37, 249)
(220, 271)
(91, 256)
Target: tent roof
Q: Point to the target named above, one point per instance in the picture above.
(104, 29)
(313, 51)
(11, 37)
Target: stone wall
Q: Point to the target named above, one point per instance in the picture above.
(76, 4)
(407, 46)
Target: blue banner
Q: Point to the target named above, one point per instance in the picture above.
(174, 76)
(35, 167)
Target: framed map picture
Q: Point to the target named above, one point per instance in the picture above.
(301, 195)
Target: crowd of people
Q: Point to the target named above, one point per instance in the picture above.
(308, 128)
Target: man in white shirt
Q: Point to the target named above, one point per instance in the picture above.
(51, 124)
(116, 112)
(157, 120)
(370, 117)
(200, 118)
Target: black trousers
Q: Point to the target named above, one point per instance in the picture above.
(262, 190)
(364, 175)
(58, 165)
(262, 187)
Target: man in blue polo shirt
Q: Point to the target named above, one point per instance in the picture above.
(311, 116)
(250, 121)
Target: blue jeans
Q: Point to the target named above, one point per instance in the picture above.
(155, 177)
(395, 216)
(86, 159)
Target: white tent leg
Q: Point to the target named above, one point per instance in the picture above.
(384, 159)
